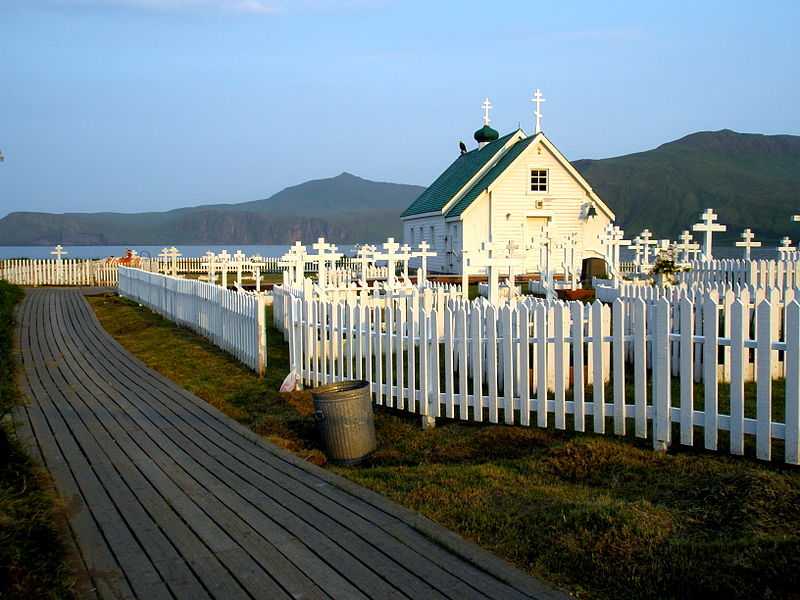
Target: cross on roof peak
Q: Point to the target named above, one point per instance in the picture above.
(538, 99)
(486, 106)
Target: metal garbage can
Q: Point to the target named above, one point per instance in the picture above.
(343, 412)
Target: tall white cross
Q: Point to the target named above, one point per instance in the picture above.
(390, 256)
(489, 258)
(423, 254)
(647, 241)
(296, 258)
(59, 252)
(486, 106)
(748, 242)
(256, 264)
(405, 250)
(223, 258)
(173, 254)
(687, 245)
(239, 260)
(617, 241)
(365, 257)
(325, 253)
(538, 99)
(785, 248)
(708, 227)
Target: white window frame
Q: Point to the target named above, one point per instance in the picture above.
(546, 172)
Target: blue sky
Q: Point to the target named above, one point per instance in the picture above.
(130, 105)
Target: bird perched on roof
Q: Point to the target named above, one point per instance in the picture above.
(463, 147)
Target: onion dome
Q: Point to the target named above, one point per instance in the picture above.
(486, 134)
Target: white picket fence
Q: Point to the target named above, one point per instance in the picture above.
(232, 321)
(69, 272)
(430, 295)
(517, 363)
(759, 273)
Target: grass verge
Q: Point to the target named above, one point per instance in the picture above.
(602, 516)
(32, 556)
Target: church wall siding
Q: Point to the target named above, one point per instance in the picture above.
(511, 202)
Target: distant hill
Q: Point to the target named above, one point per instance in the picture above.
(751, 180)
(345, 208)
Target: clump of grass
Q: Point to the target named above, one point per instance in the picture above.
(602, 516)
(32, 554)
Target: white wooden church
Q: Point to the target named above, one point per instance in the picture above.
(507, 190)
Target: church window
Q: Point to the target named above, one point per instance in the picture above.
(538, 180)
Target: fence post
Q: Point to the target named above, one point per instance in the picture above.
(662, 421)
(261, 323)
(792, 360)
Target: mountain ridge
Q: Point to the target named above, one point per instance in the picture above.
(751, 180)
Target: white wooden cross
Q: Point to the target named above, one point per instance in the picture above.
(489, 258)
(365, 257)
(256, 262)
(708, 226)
(687, 246)
(296, 258)
(405, 250)
(486, 106)
(511, 249)
(391, 257)
(423, 254)
(647, 241)
(538, 99)
(223, 258)
(616, 242)
(748, 242)
(209, 260)
(239, 260)
(59, 252)
(172, 254)
(325, 253)
(786, 248)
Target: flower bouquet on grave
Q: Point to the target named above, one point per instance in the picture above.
(666, 266)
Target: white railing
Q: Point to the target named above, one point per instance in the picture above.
(516, 364)
(193, 265)
(69, 272)
(235, 322)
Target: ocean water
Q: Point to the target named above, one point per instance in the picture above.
(267, 250)
(152, 251)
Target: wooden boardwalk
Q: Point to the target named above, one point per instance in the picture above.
(169, 498)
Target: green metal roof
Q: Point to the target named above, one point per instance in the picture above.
(487, 180)
(455, 177)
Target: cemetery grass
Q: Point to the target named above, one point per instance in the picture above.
(33, 558)
(604, 517)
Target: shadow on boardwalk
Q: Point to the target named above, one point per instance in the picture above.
(169, 498)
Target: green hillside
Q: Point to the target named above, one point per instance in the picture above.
(751, 180)
(345, 208)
